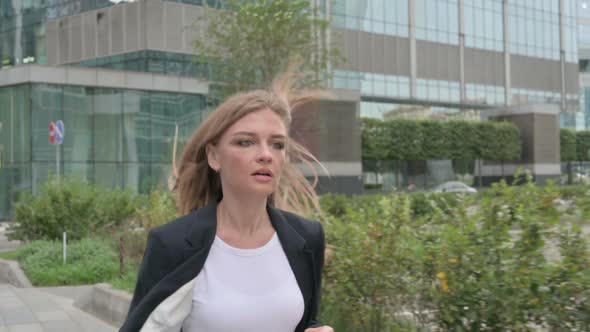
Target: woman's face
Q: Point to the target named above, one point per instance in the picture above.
(250, 154)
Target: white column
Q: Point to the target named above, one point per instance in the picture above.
(507, 64)
(462, 50)
(413, 60)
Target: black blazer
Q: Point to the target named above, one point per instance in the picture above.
(176, 252)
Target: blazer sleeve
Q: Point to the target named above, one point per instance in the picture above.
(156, 264)
(318, 270)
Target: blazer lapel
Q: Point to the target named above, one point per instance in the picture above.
(173, 293)
(300, 258)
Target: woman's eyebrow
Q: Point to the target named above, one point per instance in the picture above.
(247, 133)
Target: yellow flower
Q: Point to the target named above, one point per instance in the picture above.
(445, 286)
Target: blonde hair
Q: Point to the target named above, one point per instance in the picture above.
(197, 184)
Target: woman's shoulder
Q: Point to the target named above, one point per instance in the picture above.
(191, 226)
(173, 227)
(309, 229)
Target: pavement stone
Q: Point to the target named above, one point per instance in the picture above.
(34, 327)
(60, 326)
(35, 310)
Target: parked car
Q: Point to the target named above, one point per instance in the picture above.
(454, 187)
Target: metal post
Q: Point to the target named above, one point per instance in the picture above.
(65, 246)
(57, 161)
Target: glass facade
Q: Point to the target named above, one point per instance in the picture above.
(15, 145)
(484, 24)
(22, 24)
(438, 90)
(389, 17)
(485, 94)
(437, 21)
(117, 138)
(530, 96)
(534, 28)
(158, 62)
(390, 111)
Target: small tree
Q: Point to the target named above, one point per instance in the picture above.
(253, 41)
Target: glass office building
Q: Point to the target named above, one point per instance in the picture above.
(450, 55)
(413, 59)
(117, 138)
(461, 59)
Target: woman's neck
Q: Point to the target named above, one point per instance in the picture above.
(242, 217)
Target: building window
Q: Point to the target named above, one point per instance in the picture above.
(389, 17)
(484, 24)
(437, 21)
(534, 28)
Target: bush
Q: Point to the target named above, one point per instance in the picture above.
(495, 261)
(72, 205)
(160, 209)
(121, 217)
(425, 203)
(570, 192)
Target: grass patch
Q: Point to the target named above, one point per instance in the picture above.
(127, 281)
(89, 261)
(9, 255)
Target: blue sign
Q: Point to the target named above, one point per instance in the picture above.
(59, 132)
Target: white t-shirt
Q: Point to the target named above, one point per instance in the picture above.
(245, 290)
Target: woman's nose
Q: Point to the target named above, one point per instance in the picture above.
(264, 155)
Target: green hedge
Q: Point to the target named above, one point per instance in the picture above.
(431, 140)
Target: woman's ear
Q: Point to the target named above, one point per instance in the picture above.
(211, 152)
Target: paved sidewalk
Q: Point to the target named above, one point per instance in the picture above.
(42, 310)
(34, 310)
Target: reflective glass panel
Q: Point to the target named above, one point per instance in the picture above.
(78, 123)
(46, 107)
(108, 142)
(136, 126)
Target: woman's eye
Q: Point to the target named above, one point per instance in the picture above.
(245, 143)
(278, 145)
